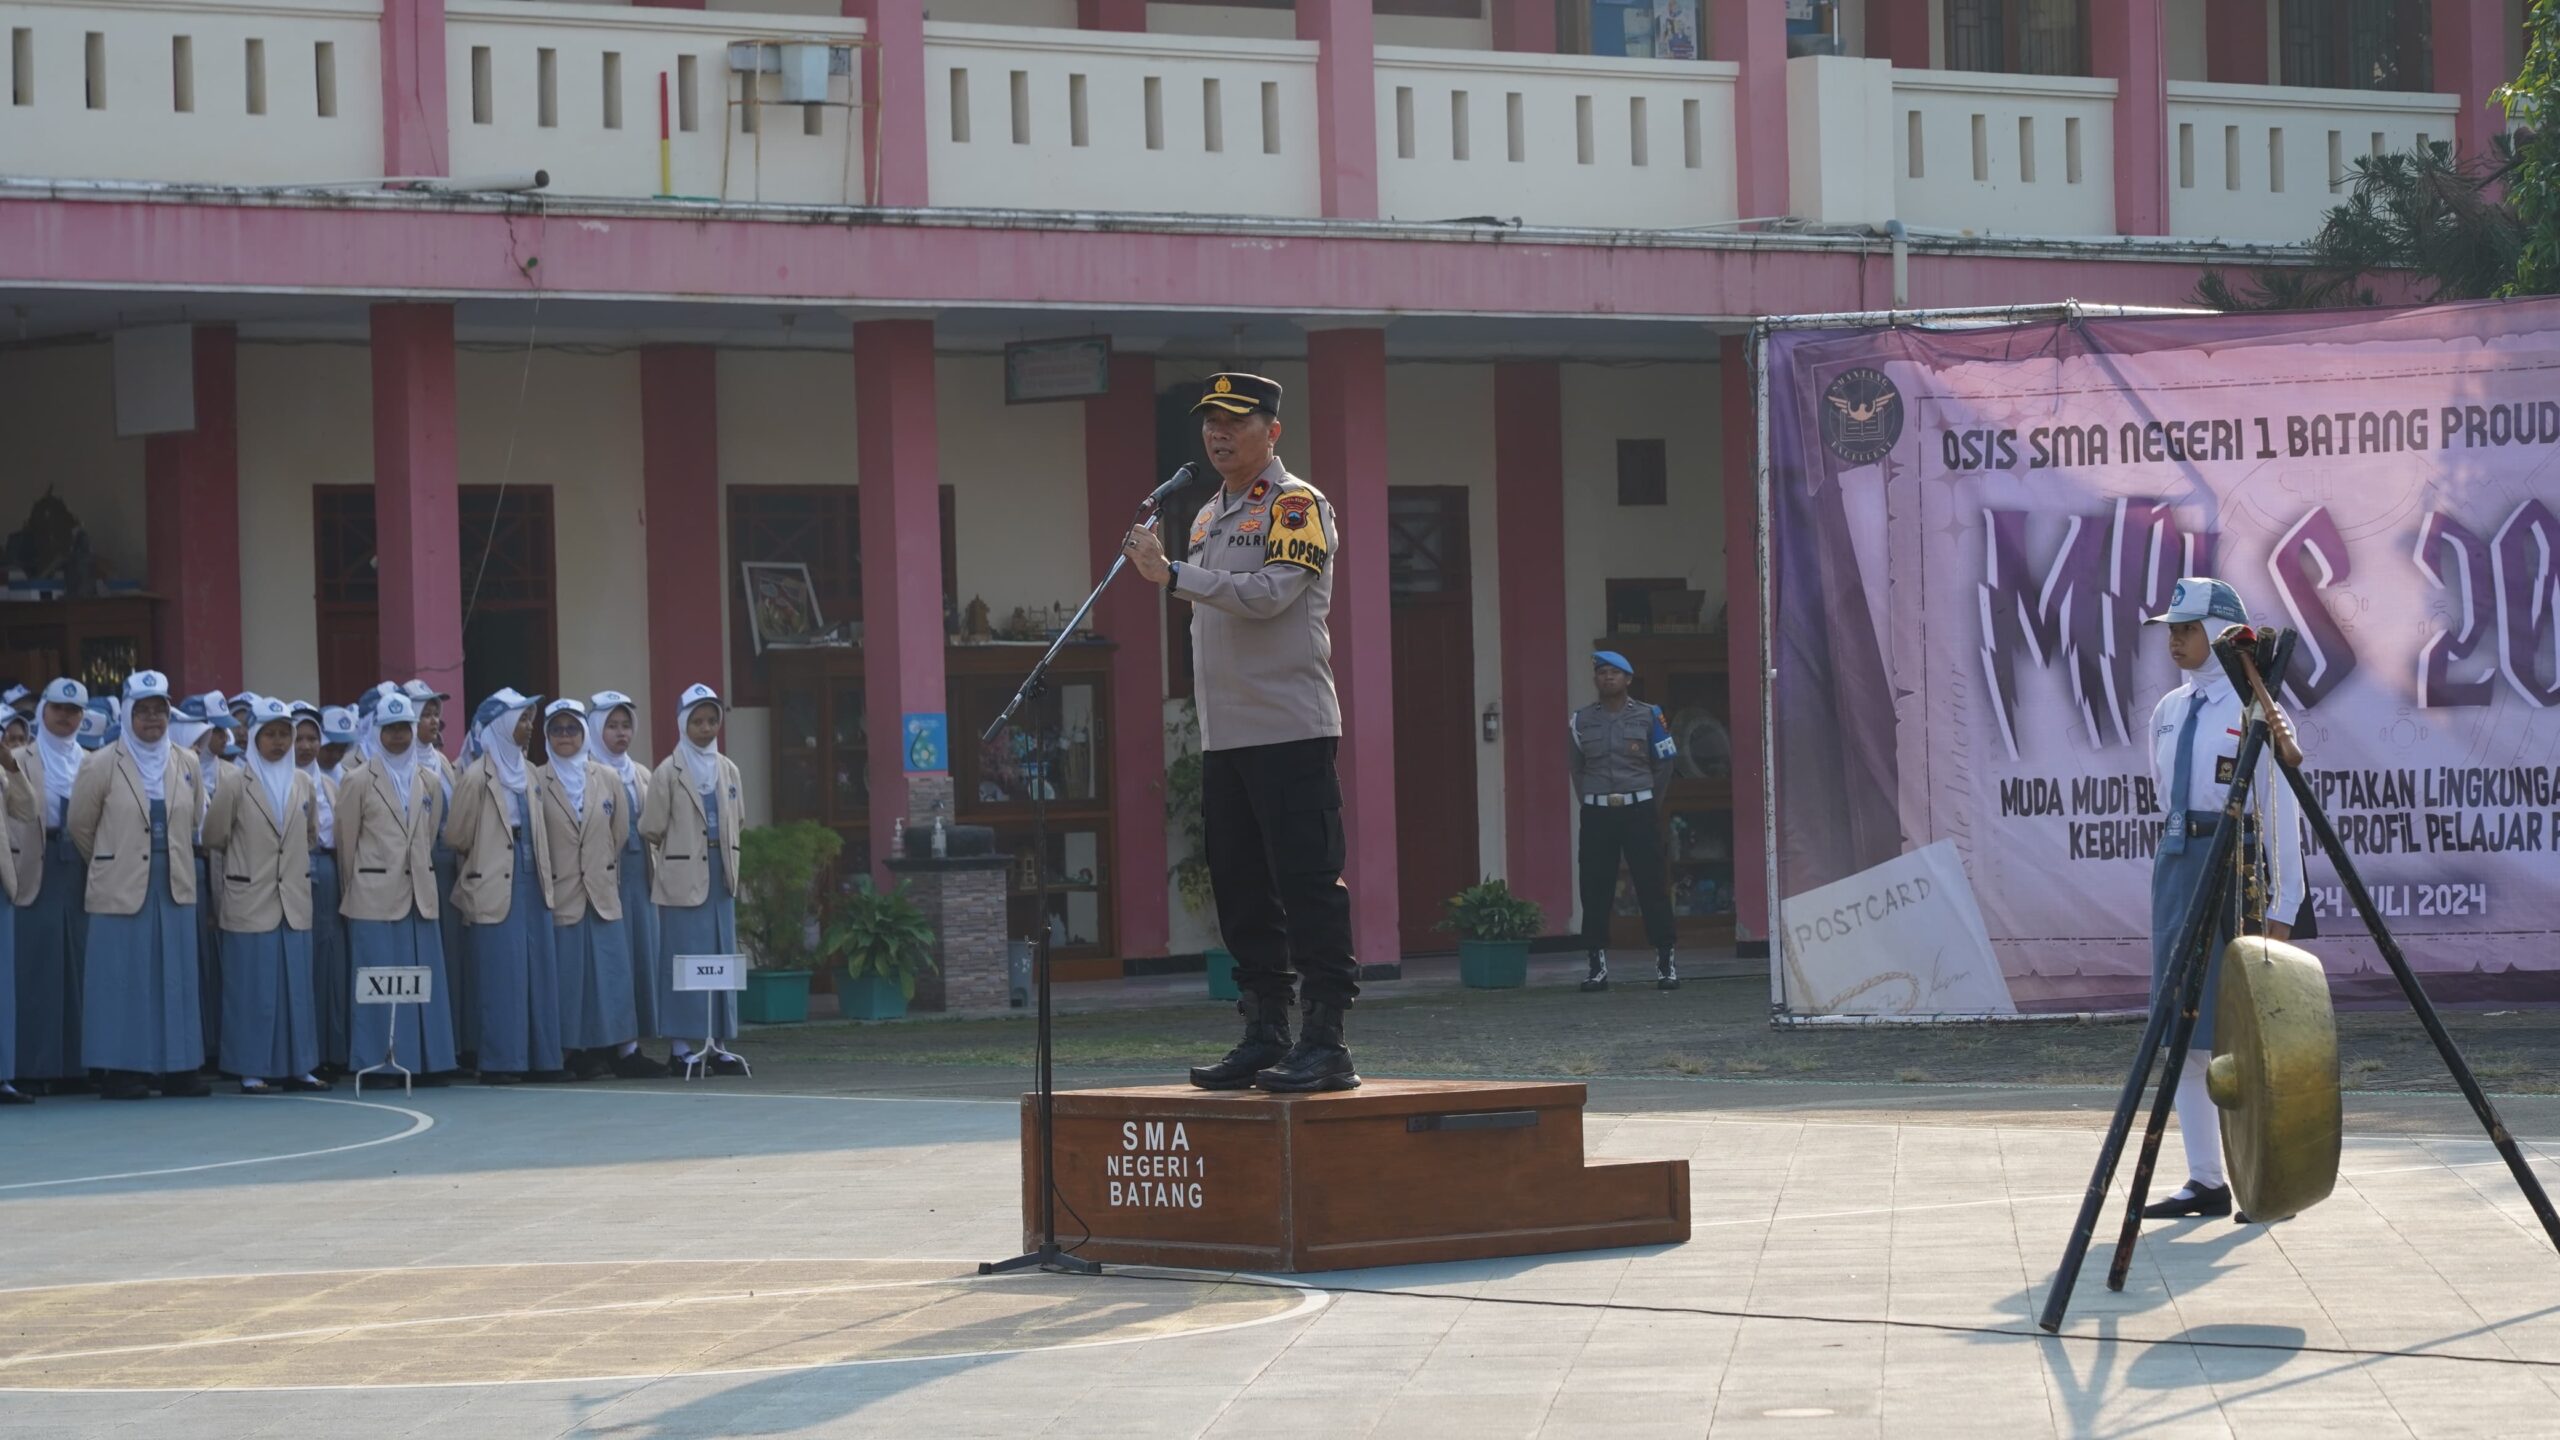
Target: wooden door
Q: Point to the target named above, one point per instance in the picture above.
(1436, 742)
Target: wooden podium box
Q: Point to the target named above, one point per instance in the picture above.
(1398, 1172)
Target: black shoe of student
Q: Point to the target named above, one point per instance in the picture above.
(124, 1085)
(434, 1079)
(591, 1064)
(636, 1066)
(501, 1077)
(12, 1095)
(1318, 1061)
(729, 1065)
(252, 1085)
(70, 1085)
(1598, 979)
(1666, 976)
(550, 1077)
(2208, 1200)
(1265, 1044)
(308, 1085)
(190, 1086)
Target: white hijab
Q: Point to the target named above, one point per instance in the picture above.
(572, 772)
(275, 775)
(62, 758)
(701, 762)
(151, 761)
(324, 815)
(403, 767)
(622, 764)
(498, 740)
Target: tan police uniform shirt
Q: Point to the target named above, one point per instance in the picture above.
(1260, 579)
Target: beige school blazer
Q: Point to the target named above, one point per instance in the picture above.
(263, 874)
(110, 822)
(585, 855)
(386, 853)
(481, 830)
(674, 822)
(22, 816)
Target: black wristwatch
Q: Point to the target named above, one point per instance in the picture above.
(1172, 573)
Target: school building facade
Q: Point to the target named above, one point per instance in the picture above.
(316, 368)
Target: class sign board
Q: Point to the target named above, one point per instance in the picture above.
(711, 972)
(395, 985)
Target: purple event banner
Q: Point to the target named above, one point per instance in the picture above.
(1967, 525)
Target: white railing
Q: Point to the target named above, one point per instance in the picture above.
(2004, 154)
(1554, 139)
(575, 90)
(267, 93)
(1022, 118)
(2265, 162)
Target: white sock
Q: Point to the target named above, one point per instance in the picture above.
(630, 1047)
(682, 1050)
(2200, 1124)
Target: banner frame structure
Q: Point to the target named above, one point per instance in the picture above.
(1961, 317)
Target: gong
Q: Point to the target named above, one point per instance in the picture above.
(2275, 1077)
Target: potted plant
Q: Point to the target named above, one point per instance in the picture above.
(1494, 929)
(1191, 868)
(885, 942)
(778, 871)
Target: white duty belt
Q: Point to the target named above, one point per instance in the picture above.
(1633, 797)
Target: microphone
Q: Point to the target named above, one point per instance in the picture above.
(1174, 482)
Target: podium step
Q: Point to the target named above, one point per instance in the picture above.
(1398, 1172)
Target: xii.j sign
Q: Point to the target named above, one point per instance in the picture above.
(1967, 527)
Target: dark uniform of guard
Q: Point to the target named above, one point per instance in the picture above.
(1622, 754)
(1260, 578)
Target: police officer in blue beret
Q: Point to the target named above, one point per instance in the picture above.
(1622, 754)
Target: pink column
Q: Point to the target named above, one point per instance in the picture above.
(1347, 375)
(901, 516)
(1741, 463)
(893, 79)
(191, 483)
(680, 518)
(1528, 497)
(413, 103)
(2470, 61)
(2128, 44)
(1525, 26)
(1119, 469)
(1346, 103)
(1112, 15)
(1753, 34)
(1898, 30)
(2235, 42)
(416, 512)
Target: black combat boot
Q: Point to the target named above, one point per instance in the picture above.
(1317, 1061)
(1666, 976)
(1598, 979)
(1266, 1041)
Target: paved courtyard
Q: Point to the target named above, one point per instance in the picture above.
(794, 1255)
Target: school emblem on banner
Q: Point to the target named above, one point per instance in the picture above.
(1861, 415)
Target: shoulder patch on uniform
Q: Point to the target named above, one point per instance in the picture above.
(1297, 536)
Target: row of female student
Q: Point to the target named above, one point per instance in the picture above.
(176, 912)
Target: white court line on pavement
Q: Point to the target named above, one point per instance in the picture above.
(1311, 1300)
(523, 1093)
(419, 1123)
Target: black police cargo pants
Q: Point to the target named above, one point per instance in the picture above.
(1272, 817)
(1636, 832)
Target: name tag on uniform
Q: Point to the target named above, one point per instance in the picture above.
(395, 985)
(711, 972)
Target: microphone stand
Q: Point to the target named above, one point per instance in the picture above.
(1046, 1255)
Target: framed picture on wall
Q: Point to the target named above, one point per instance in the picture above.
(782, 606)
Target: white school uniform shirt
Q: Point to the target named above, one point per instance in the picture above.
(2217, 749)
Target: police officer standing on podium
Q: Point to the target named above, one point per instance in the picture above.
(1260, 578)
(1622, 755)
